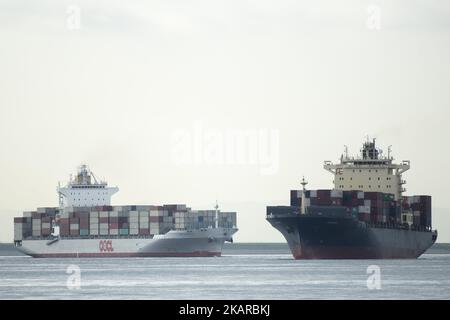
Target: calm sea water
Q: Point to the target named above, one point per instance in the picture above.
(267, 273)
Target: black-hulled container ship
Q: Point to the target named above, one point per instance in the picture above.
(365, 216)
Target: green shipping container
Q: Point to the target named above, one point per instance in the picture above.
(123, 232)
(388, 197)
(84, 232)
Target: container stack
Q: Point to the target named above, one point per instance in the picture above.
(22, 228)
(74, 226)
(139, 220)
(36, 224)
(373, 207)
(155, 218)
(103, 218)
(296, 198)
(113, 223)
(180, 220)
(144, 222)
(94, 223)
(134, 222)
(420, 208)
(227, 219)
(46, 226)
(84, 223)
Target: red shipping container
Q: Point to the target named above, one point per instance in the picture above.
(364, 216)
(154, 219)
(84, 225)
(113, 225)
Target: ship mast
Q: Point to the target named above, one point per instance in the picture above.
(303, 183)
(217, 215)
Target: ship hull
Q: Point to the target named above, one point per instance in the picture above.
(197, 243)
(322, 237)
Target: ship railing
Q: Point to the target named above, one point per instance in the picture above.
(399, 226)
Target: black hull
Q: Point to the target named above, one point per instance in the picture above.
(322, 237)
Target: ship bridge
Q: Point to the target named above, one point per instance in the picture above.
(85, 190)
(370, 171)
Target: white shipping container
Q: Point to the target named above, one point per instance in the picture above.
(144, 225)
(94, 215)
(27, 214)
(360, 195)
(114, 232)
(364, 209)
(46, 225)
(336, 193)
(133, 219)
(104, 214)
(134, 214)
(103, 232)
(143, 214)
(367, 203)
(113, 214)
(313, 194)
(93, 232)
(134, 231)
(36, 233)
(74, 226)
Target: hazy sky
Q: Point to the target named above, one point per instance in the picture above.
(147, 92)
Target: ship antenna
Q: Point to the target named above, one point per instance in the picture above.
(217, 214)
(389, 152)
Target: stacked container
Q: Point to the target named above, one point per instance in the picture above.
(113, 223)
(74, 226)
(144, 222)
(103, 223)
(94, 223)
(46, 226)
(134, 222)
(36, 224)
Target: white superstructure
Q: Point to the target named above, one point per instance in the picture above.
(369, 172)
(85, 191)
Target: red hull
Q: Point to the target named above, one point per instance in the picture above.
(336, 252)
(128, 255)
